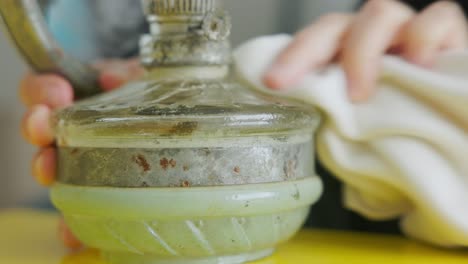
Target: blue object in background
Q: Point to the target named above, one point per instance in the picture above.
(71, 24)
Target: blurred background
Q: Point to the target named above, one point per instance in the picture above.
(250, 18)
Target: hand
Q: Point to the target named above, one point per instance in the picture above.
(45, 93)
(358, 42)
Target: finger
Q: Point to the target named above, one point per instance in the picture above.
(372, 33)
(312, 47)
(441, 26)
(115, 73)
(49, 89)
(67, 237)
(44, 166)
(36, 126)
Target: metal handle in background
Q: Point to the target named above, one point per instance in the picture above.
(25, 24)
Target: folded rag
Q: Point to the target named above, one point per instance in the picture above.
(402, 154)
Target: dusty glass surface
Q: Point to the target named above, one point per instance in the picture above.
(189, 121)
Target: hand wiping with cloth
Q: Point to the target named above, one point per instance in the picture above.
(404, 152)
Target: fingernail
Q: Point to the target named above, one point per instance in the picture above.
(44, 167)
(356, 91)
(354, 96)
(37, 131)
(111, 80)
(351, 89)
(424, 59)
(277, 76)
(38, 168)
(362, 82)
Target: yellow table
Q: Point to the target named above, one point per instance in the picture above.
(29, 237)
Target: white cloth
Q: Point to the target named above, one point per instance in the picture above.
(402, 154)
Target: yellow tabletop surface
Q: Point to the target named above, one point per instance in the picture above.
(30, 237)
